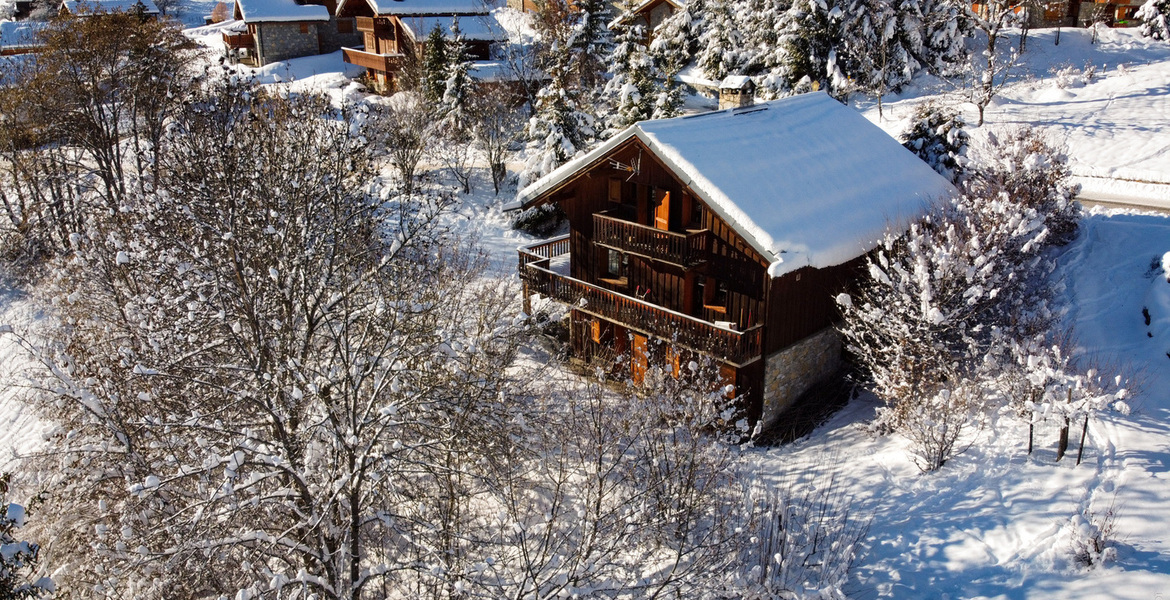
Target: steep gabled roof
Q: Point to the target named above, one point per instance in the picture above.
(473, 27)
(280, 11)
(806, 180)
(427, 7)
(20, 35)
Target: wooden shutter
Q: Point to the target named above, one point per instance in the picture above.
(615, 190)
(639, 359)
(595, 330)
(727, 377)
(662, 211)
(673, 361)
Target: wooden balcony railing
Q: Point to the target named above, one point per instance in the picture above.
(375, 24)
(235, 41)
(737, 347)
(386, 63)
(685, 249)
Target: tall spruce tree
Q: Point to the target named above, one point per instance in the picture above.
(630, 90)
(435, 63)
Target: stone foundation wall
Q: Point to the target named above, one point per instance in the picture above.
(332, 40)
(282, 41)
(793, 370)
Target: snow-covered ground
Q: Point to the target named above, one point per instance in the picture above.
(1110, 107)
(995, 521)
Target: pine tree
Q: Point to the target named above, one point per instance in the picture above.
(631, 88)
(671, 49)
(936, 135)
(435, 67)
(457, 83)
(1155, 18)
(720, 43)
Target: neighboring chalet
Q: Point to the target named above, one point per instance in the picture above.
(395, 32)
(648, 14)
(268, 31)
(21, 37)
(89, 8)
(724, 235)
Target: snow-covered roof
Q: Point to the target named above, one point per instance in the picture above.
(276, 11)
(806, 180)
(87, 7)
(428, 7)
(20, 35)
(473, 27)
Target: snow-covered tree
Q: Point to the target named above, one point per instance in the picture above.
(435, 66)
(496, 124)
(990, 72)
(936, 135)
(458, 83)
(631, 87)
(18, 557)
(1023, 164)
(720, 42)
(1155, 18)
(268, 355)
(561, 125)
(935, 310)
(671, 50)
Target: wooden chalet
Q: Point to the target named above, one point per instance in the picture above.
(268, 31)
(93, 8)
(21, 37)
(648, 14)
(724, 235)
(394, 33)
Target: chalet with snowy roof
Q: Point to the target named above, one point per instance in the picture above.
(20, 37)
(91, 8)
(268, 31)
(394, 33)
(724, 235)
(647, 14)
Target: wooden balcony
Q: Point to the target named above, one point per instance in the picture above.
(684, 249)
(236, 41)
(386, 63)
(736, 347)
(378, 25)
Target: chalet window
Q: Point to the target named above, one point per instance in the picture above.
(615, 190)
(345, 26)
(696, 215)
(714, 293)
(615, 264)
(304, 28)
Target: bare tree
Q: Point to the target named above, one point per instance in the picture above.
(496, 126)
(406, 132)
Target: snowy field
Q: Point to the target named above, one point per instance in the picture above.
(995, 522)
(1108, 102)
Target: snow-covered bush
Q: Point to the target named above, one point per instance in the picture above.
(936, 135)
(803, 538)
(935, 310)
(1155, 18)
(1091, 536)
(540, 221)
(18, 558)
(1024, 165)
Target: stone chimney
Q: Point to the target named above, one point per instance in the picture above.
(736, 91)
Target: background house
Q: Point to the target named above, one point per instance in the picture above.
(394, 33)
(275, 30)
(724, 235)
(87, 8)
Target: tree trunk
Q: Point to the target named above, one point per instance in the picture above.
(1084, 430)
(1031, 433)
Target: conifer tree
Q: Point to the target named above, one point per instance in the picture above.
(720, 45)
(434, 75)
(1155, 18)
(631, 88)
(936, 135)
(456, 84)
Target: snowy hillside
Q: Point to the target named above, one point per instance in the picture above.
(1108, 101)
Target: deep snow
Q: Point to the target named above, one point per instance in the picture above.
(994, 522)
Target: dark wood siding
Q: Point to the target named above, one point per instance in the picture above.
(804, 301)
